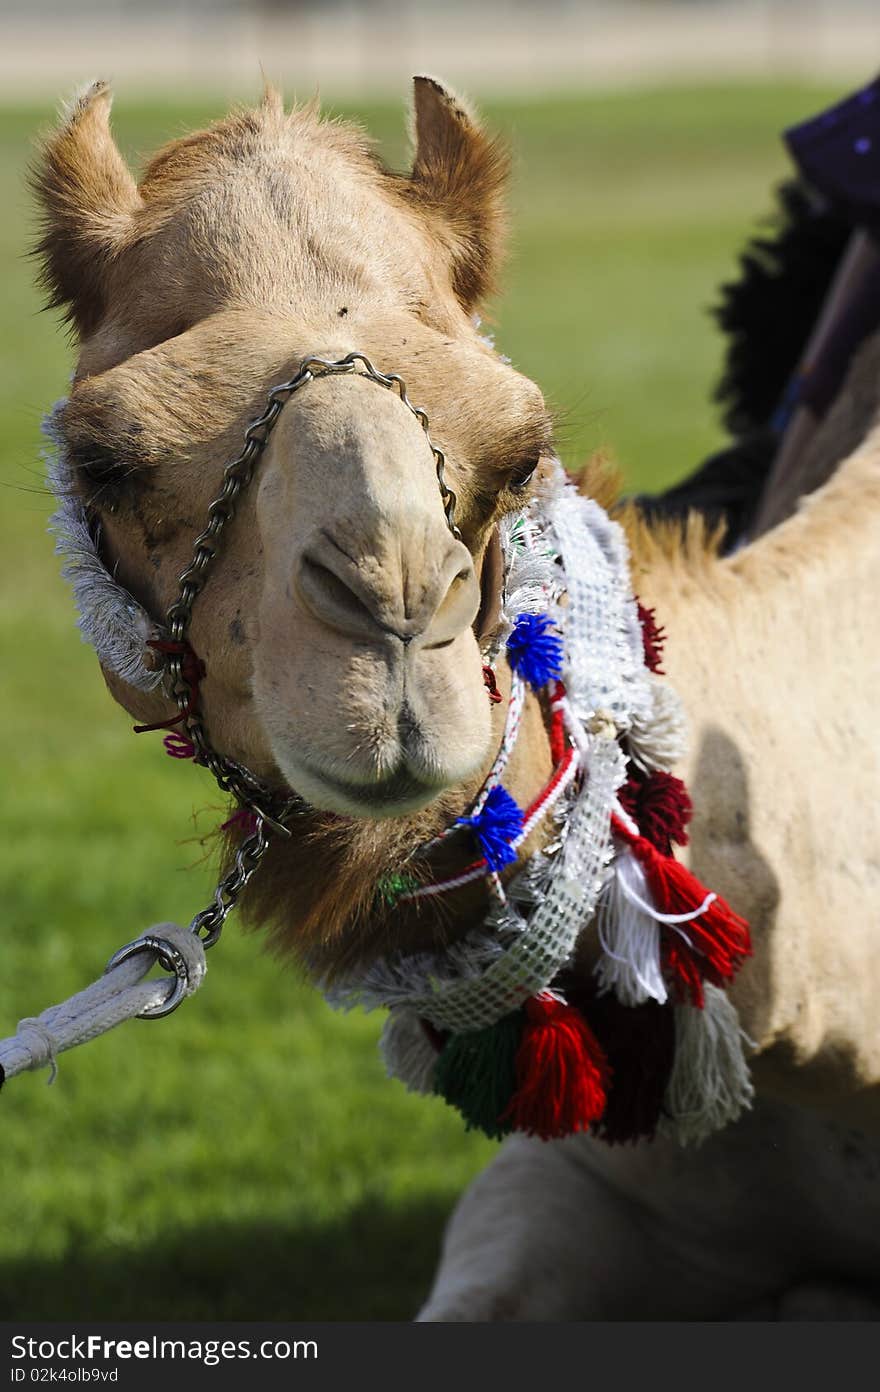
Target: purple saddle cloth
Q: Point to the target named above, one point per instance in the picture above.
(838, 152)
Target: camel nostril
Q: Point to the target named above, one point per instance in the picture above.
(371, 594)
(456, 610)
(331, 600)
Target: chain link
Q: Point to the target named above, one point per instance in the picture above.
(208, 924)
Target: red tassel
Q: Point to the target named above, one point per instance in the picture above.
(562, 1073)
(640, 1043)
(242, 820)
(711, 947)
(491, 685)
(193, 671)
(682, 967)
(179, 746)
(660, 805)
(653, 638)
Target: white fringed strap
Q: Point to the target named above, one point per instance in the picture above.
(109, 617)
(532, 580)
(604, 668)
(120, 994)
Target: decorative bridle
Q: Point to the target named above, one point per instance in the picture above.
(499, 1023)
(184, 670)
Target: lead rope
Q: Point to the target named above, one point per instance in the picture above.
(123, 992)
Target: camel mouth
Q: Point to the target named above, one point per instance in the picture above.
(399, 793)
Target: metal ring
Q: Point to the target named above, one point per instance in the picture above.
(170, 959)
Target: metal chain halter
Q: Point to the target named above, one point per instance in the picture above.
(271, 809)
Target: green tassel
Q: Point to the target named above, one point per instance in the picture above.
(390, 887)
(476, 1072)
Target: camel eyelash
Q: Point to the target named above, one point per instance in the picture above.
(102, 465)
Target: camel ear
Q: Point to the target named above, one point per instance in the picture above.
(459, 175)
(88, 199)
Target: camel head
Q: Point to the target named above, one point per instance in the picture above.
(338, 625)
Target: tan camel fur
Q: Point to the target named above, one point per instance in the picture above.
(338, 633)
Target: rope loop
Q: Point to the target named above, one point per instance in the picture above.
(180, 952)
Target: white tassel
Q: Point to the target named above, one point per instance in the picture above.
(659, 741)
(407, 1052)
(629, 937)
(710, 1084)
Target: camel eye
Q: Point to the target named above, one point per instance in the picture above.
(99, 465)
(102, 465)
(521, 475)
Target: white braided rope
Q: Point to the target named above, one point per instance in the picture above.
(432, 890)
(545, 806)
(512, 723)
(120, 994)
(478, 871)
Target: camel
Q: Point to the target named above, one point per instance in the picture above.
(343, 641)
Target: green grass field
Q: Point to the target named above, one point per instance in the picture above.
(247, 1158)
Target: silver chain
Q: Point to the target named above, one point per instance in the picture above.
(269, 810)
(208, 924)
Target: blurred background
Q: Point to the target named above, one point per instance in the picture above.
(363, 46)
(247, 1158)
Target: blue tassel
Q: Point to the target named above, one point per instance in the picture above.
(534, 650)
(499, 823)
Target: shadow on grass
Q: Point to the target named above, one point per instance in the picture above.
(373, 1265)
